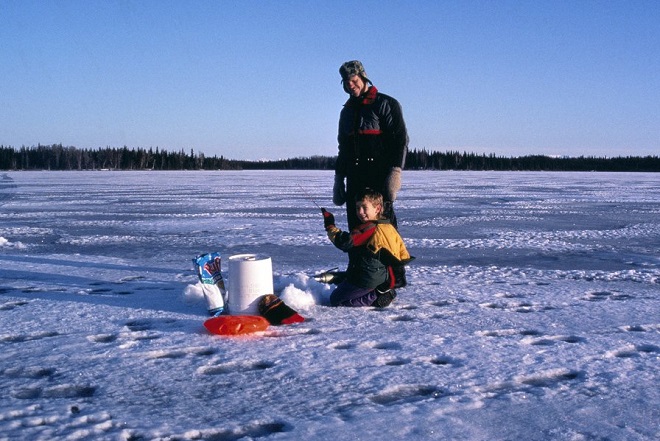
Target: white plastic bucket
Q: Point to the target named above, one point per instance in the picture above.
(250, 278)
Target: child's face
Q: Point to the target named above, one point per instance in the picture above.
(366, 211)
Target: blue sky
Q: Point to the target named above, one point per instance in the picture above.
(259, 79)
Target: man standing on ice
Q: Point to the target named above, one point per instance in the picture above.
(373, 143)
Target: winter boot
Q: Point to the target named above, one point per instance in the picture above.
(384, 298)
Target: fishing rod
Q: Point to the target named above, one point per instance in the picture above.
(332, 275)
(309, 196)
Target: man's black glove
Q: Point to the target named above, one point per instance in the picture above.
(328, 219)
(339, 191)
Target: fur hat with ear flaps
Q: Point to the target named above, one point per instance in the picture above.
(350, 68)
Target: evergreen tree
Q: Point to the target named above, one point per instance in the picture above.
(58, 157)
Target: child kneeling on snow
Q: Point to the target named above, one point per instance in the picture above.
(376, 255)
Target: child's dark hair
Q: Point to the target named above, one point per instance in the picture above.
(370, 195)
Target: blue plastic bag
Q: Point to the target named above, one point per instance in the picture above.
(209, 270)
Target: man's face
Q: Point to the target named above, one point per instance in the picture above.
(356, 85)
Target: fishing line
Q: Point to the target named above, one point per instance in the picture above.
(309, 196)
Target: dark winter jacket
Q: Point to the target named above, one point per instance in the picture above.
(372, 247)
(372, 139)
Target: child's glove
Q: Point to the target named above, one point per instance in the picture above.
(328, 219)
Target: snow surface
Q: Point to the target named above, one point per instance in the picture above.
(532, 311)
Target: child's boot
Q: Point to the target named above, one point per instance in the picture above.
(384, 299)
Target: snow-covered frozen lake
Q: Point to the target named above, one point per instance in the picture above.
(532, 311)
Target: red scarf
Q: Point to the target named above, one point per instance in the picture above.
(367, 98)
(370, 96)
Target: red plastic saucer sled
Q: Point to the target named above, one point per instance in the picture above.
(236, 324)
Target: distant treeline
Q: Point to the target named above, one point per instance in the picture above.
(424, 160)
(58, 157)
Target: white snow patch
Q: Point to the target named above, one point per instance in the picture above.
(532, 310)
